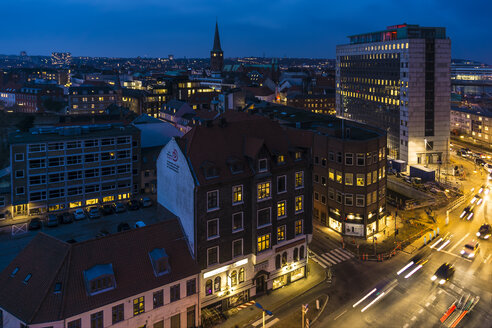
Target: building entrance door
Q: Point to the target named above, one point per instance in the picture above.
(260, 285)
(20, 209)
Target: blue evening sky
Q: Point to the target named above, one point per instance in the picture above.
(292, 28)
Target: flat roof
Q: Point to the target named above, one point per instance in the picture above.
(71, 132)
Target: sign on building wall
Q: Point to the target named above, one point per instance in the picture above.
(172, 159)
(352, 229)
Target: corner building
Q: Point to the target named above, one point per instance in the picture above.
(242, 188)
(398, 79)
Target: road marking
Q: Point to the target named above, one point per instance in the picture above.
(260, 321)
(456, 255)
(459, 242)
(433, 298)
(488, 257)
(329, 259)
(319, 262)
(406, 325)
(335, 255)
(338, 316)
(345, 254)
(414, 318)
(271, 323)
(440, 291)
(421, 310)
(427, 304)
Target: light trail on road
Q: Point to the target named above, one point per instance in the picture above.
(362, 299)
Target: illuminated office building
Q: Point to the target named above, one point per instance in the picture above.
(398, 79)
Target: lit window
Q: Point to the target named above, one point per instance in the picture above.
(281, 233)
(138, 306)
(263, 242)
(263, 190)
(299, 204)
(281, 209)
(374, 176)
(237, 194)
(331, 174)
(339, 177)
(280, 159)
(298, 230)
(360, 180)
(299, 179)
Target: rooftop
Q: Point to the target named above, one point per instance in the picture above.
(399, 32)
(45, 282)
(60, 133)
(328, 125)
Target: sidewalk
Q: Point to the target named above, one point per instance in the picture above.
(275, 299)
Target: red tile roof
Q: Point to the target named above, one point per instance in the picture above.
(241, 137)
(52, 261)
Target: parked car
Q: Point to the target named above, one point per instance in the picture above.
(52, 220)
(67, 217)
(484, 231)
(123, 226)
(35, 224)
(145, 202)
(107, 209)
(93, 212)
(79, 214)
(443, 273)
(479, 161)
(139, 224)
(118, 207)
(133, 205)
(470, 249)
(102, 233)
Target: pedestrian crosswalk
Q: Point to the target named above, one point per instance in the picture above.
(270, 320)
(332, 257)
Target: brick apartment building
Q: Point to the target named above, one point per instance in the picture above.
(242, 188)
(349, 169)
(59, 168)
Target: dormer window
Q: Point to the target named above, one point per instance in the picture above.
(57, 289)
(160, 261)
(210, 170)
(262, 165)
(100, 278)
(298, 155)
(280, 159)
(27, 278)
(235, 165)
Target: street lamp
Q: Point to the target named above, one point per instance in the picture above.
(258, 305)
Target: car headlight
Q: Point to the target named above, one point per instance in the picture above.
(471, 255)
(462, 214)
(442, 281)
(478, 234)
(433, 278)
(462, 252)
(487, 237)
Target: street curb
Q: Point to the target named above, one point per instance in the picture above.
(322, 308)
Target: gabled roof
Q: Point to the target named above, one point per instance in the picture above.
(239, 136)
(216, 46)
(51, 261)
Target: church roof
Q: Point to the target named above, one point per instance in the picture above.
(217, 46)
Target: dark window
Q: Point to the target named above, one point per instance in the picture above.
(175, 293)
(277, 262)
(281, 184)
(190, 317)
(97, 320)
(212, 228)
(264, 216)
(237, 221)
(213, 255)
(217, 284)
(296, 254)
(237, 248)
(176, 321)
(301, 252)
(190, 287)
(118, 313)
(284, 258)
(72, 324)
(158, 298)
(212, 200)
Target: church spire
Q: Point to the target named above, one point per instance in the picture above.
(216, 38)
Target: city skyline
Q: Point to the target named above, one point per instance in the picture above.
(153, 29)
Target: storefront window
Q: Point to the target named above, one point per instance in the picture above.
(217, 284)
(234, 278)
(208, 287)
(297, 274)
(241, 275)
(280, 281)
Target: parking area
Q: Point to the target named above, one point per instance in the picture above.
(78, 230)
